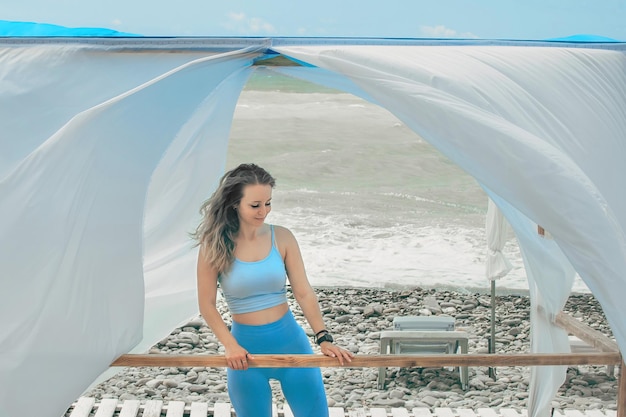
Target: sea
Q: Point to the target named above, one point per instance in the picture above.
(371, 203)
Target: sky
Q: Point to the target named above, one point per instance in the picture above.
(484, 19)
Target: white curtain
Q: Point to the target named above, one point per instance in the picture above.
(550, 278)
(107, 151)
(105, 157)
(496, 227)
(541, 127)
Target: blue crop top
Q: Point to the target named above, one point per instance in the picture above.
(253, 286)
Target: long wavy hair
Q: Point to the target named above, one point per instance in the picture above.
(220, 223)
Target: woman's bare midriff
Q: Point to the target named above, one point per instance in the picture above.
(257, 318)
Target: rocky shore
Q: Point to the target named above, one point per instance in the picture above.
(356, 316)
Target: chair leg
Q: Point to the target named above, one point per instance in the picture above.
(382, 371)
(610, 370)
(382, 374)
(464, 370)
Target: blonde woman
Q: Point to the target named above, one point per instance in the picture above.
(251, 261)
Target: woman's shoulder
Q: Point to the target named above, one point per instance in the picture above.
(282, 231)
(285, 240)
(283, 236)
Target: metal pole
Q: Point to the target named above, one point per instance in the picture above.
(492, 341)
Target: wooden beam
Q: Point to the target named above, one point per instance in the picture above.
(376, 361)
(585, 333)
(621, 391)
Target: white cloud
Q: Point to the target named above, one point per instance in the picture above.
(259, 25)
(116, 22)
(237, 17)
(441, 31)
(244, 25)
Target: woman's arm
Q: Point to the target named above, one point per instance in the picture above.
(236, 356)
(304, 293)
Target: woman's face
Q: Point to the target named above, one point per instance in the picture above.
(255, 204)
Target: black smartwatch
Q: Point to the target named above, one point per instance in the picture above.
(324, 337)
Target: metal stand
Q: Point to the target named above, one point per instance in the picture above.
(492, 338)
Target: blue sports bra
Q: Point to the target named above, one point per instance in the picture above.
(253, 286)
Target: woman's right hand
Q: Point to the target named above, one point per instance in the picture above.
(237, 358)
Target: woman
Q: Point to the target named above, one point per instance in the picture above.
(251, 260)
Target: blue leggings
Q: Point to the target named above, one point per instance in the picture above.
(250, 391)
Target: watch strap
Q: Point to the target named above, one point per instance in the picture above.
(325, 337)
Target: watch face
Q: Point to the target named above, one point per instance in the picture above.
(325, 338)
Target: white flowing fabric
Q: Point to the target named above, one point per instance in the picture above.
(541, 127)
(107, 152)
(549, 273)
(496, 226)
(106, 157)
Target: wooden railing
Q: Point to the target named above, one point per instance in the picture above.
(608, 354)
(375, 361)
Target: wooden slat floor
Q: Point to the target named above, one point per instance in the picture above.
(89, 407)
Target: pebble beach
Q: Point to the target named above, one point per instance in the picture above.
(356, 316)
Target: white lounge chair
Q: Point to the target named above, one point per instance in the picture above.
(578, 346)
(419, 335)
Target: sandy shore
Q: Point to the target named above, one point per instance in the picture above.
(356, 316)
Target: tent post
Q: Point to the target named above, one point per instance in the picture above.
(621, 391)
(492, 340)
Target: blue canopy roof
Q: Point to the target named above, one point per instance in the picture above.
(9, 28)
(33, 29)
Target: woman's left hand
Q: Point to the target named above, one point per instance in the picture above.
(333, 351)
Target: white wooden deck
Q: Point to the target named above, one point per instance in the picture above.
(86, 406)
